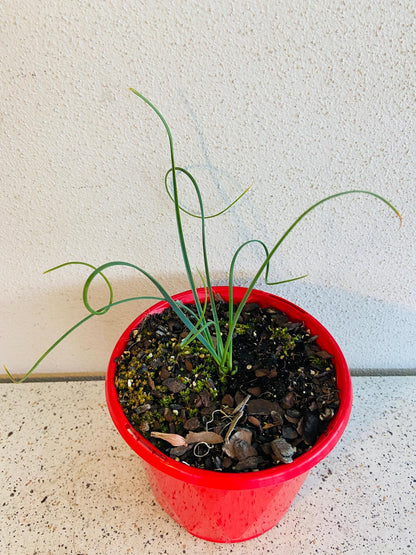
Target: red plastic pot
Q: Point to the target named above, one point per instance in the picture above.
(227, 507)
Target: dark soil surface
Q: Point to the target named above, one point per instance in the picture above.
(279, 401)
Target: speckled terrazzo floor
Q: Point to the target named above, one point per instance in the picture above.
(70, 485)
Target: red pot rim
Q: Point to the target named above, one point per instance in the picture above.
(246, 480)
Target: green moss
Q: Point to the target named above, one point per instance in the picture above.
(242, 329)
(319, 363)
(199, 386)
(185, 395)
(283, 337)
(166, 401)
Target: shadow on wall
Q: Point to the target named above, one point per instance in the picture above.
(38, 321)
(373, 334)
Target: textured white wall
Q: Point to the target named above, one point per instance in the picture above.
(300, 99)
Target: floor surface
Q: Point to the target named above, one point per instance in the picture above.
(71, 485)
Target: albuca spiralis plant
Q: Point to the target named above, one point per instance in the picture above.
(207, 332)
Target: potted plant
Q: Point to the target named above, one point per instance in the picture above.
(229, 395)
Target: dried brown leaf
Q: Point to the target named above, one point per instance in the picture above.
(174, 439)
(207, 437)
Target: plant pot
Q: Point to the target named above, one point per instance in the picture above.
(231, 507)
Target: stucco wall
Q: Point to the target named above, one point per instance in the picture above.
(299, 99)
